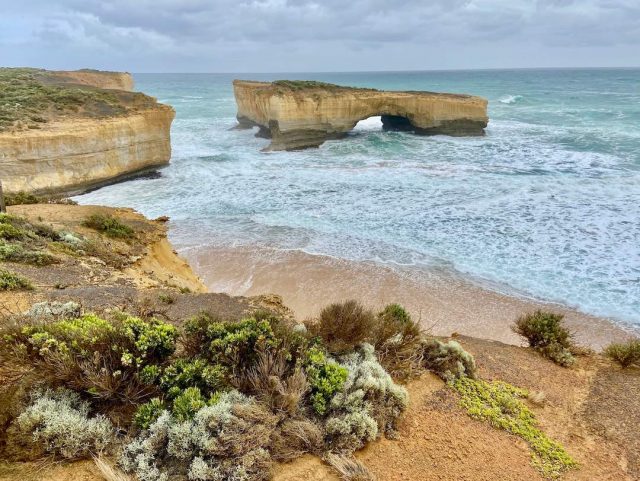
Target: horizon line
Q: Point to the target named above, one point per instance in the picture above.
(387, 71)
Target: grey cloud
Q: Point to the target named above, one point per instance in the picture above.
(221, 34)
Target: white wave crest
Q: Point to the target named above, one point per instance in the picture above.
(509, 99)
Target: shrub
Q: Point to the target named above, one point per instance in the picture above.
(17, 253)
(54, 310)
(626, 354)
(184, 373)
(349, 468)
(398, 342)
(20, 198)
(10, 281)
(231, 344)
(368, 405)
(326, 378)
(448, 359)
(60, 422)
(146, 414)
(295, 437)
(279, 386)
(91, 354)
(343, 326)
(228, 440)
(187, 404)
(109, 226)
(545, 332)
(500, 404)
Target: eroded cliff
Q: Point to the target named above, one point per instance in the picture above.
(300, 114)
(70, 131)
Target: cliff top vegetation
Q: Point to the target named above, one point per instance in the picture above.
(30, 98)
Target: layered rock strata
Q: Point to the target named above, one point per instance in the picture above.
(298, 114)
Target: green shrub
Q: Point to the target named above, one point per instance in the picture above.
(187, 404)
(343, 326)
(146, 414)
(626, 354)
(92, 354)
(20, 198)
(10, 232)
(231, 344)
(166, 298)
(448, 359)
(10, 281)
(545, 332)
(368, 404)
(326, 378)
(109, 226)
(500, 404)
(184, 373)
(16, 253)
(59, 421)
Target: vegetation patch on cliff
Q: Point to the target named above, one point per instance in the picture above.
(298, 85)
(29, 98)
(210, 399)
(501, 405)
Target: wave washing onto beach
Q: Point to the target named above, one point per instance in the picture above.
(545, 205)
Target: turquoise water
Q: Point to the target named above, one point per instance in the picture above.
(546, 204)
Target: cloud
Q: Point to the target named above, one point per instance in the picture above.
(223, 34)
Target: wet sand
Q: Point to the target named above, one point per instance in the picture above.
(443, 301)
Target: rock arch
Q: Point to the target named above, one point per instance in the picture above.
(301, 114)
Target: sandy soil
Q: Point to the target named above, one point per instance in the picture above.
(443, 302)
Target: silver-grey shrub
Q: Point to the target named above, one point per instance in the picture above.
(448, 359)
(59, 421)
(225, 441)
(369, 404)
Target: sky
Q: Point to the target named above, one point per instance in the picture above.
(315, 35)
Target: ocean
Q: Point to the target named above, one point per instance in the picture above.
(546, 205)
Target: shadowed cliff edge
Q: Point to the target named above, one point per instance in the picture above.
(301, 114)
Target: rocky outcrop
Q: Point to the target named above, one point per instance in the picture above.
(114, 134)
(298, 114)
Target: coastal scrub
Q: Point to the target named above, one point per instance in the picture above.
(500, 404)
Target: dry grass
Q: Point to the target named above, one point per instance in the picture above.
(343, 326)
(275, 383)
(349, 468)
(295, 437)
(108, 471)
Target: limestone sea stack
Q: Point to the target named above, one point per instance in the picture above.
(68, 131)
(301, 114)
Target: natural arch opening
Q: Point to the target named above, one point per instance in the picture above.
(369, 124)
(396, 123)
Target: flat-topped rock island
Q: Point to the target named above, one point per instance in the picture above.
(298, 114)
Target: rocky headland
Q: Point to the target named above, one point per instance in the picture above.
(71, 131)
(302, 114)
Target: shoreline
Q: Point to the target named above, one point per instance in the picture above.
(444, 302)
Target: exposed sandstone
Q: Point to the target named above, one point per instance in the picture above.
(305, 114)
(75, 155)
(76, 130)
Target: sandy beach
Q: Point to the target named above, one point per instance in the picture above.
(444, 302)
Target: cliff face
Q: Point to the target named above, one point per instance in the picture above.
(304, 114)
(90, 129)
(76, 155)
